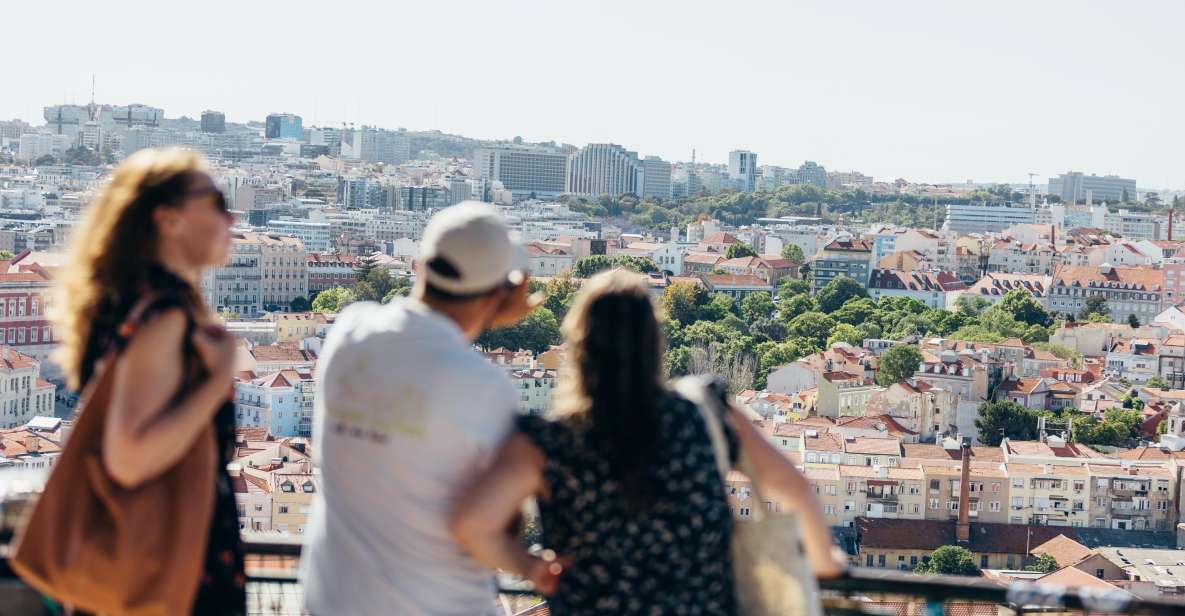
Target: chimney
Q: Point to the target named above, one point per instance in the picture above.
(1053, 235)
(963, 528)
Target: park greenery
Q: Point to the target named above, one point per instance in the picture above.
(949, 560)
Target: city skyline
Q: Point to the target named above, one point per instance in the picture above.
(934, 93)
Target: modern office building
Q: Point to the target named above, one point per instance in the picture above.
(213, 122)
(422, 198)
(656, 178)
(812, 174)
(985, 218)
(35, 145)
(1135, 225)
(603, 169)
(742, 168)
(316, 235)
(283, 126)
(1075, 187)
(376, 145)
(527, 172)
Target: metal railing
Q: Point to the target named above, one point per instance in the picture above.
(274, 589)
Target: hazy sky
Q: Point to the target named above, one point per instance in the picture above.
(930, 91)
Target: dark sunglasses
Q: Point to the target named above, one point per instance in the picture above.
(219, 198)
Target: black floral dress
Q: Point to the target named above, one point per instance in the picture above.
(670, 559)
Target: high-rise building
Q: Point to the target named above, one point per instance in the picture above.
(283, 126)
(742, 168)
(811, 173)
(91, 135)
(35, 145)
(603, 169)
(331, 138)
(376, 145)
(213, 122)
(656, 178)
(527, 172)
(1074, 187)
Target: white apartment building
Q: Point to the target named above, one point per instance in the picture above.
(603, 169)
(315, 235)
(980, 218)
(23, 393)
(529, 173)
(264, 274)
(281, 403)
(35, 145)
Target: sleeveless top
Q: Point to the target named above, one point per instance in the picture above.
(222, 589)
(670, 559)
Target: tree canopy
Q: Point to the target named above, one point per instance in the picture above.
(1006, 419)
(837, 292)
(333, 300)
(950, 560)
(739, 249)
(792, 252)
(898, 363)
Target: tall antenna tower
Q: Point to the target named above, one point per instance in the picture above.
(1032, 192)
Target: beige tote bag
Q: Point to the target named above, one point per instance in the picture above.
(772, 574)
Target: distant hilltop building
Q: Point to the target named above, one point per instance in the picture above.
(213, 122)
(526, 172)
(283, 126)
(603, 169)
(1075, 187)
(742, 168)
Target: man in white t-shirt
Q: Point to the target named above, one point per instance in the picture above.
(406, 414)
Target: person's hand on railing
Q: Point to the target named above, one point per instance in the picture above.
(544, 573)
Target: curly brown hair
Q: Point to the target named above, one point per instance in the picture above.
(114, 253)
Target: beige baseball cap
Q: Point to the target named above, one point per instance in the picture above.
(467, 250)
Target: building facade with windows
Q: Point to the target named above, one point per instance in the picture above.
(603, 169)
(527, 172)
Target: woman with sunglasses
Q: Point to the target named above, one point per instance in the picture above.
(132, 288)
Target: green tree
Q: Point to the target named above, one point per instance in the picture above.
(971, 305)
(1133, 320)
(756, 306)
(837, 292)
(739, 250)
(401, 288)
(898, 363)
(717, 308)
(777, 355)
(682, 301)
(1023, 307)
(300, 303)
(47, 159)
(1044, 563)
(589, 266)
(1005, 419)
(366, 265)
(813, 326)
(791, 307)
(333, 300)
(1158, 382)
(856, 311)
(641, 265)
(560, 292)
(374, 284)
(789, 287)
(537, 332)
(845, 333)
(1095, 305)
(793, 253)
(950, 560)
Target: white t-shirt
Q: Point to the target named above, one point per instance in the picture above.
(406, 414)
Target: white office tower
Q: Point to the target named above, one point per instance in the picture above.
(742, 168)
(656, 178)
(603, 169)
(529, 173)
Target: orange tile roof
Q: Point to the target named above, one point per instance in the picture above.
(1063, 549)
